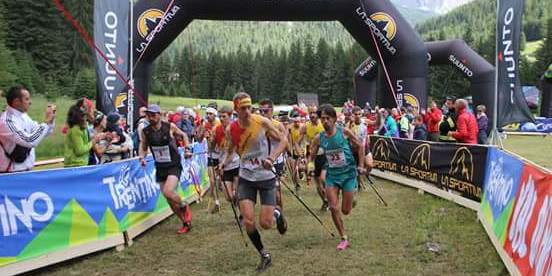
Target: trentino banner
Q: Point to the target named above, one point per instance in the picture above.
(512, 106)
(517, 211)
(47, 211)
(111, 35)
(455, 167)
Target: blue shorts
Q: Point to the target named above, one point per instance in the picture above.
(344, 184)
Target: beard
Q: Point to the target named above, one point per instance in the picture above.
(327, 128)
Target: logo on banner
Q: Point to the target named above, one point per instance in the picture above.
(127, 192)
(383, 26)
(120, 100)
(151, 19)
(461, 164)
(10, 214)
(385, 23)
(381, 149)
(420, 157)
(409, 99)
(148, 20)
(461, 64)
(367, 68)
(506, 53)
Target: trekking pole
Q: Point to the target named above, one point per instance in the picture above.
(196, 183)
(305, 205)
(375, 190)
(236, 215)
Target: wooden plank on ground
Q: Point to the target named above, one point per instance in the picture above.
(512, 268)
(62, 255)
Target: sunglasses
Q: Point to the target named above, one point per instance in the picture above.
(265, 110)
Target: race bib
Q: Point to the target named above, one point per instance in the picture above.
(336, 158)
(161, 154)
(252, 160)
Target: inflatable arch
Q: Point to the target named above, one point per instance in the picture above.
(400, 46)
(473, 67)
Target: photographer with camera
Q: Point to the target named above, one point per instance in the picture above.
(19, 134)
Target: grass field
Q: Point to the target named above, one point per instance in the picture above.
(384, 241)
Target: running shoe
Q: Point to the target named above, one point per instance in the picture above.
(281, 223)
(185, 229)
(297, 187)
(266, 263)
(354, 203)
(325, 206)
(343, 244)
(215, 209)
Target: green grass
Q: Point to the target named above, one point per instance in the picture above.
(384, 241)
(531, 48)
(534, 148)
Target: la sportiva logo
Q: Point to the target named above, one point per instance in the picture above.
(383, 26)
(148, 20)
(409, 99)
(381, 150)
(462, 165)
(385, 23)
(151, 20)
(421, 157)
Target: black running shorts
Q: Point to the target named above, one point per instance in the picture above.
(161, 174)
(229, 175)
(248, 190)
(212, 162)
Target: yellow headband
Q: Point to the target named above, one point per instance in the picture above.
(242, 102)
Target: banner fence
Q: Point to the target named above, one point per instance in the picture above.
(48, 211)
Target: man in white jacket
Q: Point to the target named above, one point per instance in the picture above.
(19, 134)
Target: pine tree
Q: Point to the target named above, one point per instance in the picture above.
(81, 53)
(328, 86)
(85, 84)
(544, 54)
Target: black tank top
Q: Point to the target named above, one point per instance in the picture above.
(162, 146)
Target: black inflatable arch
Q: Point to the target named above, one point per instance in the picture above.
(475, 68)
(401, 47)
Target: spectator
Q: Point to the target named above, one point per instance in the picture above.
(78, 144)
(448, 124)
(19, 134)
(420, 130)
(389, 125)
(432, 119)
(118, 148)
(466, 124)
(396, 115)
(186, 124)
(100, 122)
(482, 124)
(403, 123)
(140, 125)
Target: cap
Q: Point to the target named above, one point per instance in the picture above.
(153, 108)
(113, 117)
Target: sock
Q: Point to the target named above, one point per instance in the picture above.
(187, 215)
(344, 238)
(255, 238)
(277, 214)
(217, 202)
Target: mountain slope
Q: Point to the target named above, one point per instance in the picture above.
(433, 6)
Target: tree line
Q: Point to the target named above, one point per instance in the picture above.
(279, 74)
(41, 50)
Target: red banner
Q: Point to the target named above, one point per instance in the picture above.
(529, 232)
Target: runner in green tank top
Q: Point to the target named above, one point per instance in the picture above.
(341, 169)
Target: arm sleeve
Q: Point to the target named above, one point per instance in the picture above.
(80, 147)
(462, 128)
(23, 138)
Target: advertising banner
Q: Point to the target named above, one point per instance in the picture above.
(47, 211)
(502, 175)
(512, 106)
(111, 35)
(529, 234)
(448, 166)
